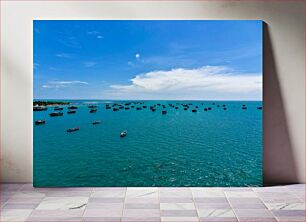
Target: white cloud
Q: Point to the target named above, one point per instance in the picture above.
(89, 64)
(64, 55)
(93, 33)
(208, 82)
(137, 56)
(61, 84)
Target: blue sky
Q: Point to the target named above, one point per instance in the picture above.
(219, 60)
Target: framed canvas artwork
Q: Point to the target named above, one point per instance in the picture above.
(164, 103)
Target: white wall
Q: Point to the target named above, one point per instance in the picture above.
(284, 74)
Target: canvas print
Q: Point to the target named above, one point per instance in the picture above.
(147, 103)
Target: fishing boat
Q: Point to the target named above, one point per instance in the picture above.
(123, 133)
(93, 111)
(56, 114)
(259, 107)
(58, 108)
(92, 106)
(72, 107)
(164, 112)
(39, 122)
(73, 129)
(71, 112)
(39, 108)
(96, 122)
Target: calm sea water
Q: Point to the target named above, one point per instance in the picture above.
(182, 148)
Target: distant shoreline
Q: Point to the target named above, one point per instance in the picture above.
(50, 103)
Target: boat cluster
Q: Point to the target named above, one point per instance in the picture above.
(185, 106)
(58, 111)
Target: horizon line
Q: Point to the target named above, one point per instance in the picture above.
(159, 99)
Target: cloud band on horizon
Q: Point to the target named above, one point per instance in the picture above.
(61, 84)
(207, 82)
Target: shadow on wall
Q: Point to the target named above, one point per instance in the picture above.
(278, 160)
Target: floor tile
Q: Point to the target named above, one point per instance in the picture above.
(62, 203)
(289, 213)
(253, 213)
(246, 200)
(115, 206)
(285, 206)
(224, 205)
(136, 192)
(210, 200)
(55, 219)
(56, 213)
(109, 194)
(103, 212)
(143, 200)
(218, 219)
(216, 213)
(105, 200)
(176, 200)
(240, 194)
(175, 192)
(14, 214)
(206, 192)
(253, 219)
(177, 206)
(236, 205)
(141, 206)
(179, 219)
(101, 219)
(140, 219)
(178, 213)
(20, 206)
(142, 213)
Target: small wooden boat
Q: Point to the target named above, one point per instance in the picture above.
(244, 107)
(56, 114)
(93, 111)
(71, 112)
(73, 129)
(259, 107)
(92, 107)
(96, 122)
(205, 109)
(39, 108)
(72, 107)
(194, 110)
(164, 112)
(124, 133)
(115, 109)
(39, 122)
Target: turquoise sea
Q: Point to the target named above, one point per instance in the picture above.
(207, 148)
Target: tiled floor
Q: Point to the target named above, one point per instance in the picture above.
(22, 202)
